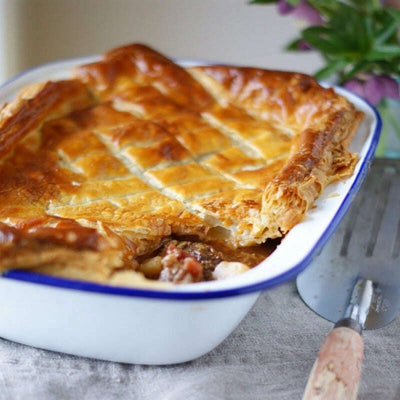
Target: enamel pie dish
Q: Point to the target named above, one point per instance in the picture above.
(84, 295)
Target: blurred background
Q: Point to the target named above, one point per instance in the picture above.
(230, 31)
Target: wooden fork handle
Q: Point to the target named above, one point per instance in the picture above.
(337, 369)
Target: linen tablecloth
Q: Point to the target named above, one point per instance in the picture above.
(268, 356)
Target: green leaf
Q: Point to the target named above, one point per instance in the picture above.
(394, 13)
(330, 69)
(348, 34)
(386, 24)
(367, 6)
(293, 3)
(385, 33)
(382, 67)
(261, 2)
(325, 7)
(356, 68)
(350, 25)
(293, 45)
(318, 36)
(324, 39)
(383, 52)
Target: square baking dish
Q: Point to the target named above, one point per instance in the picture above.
(147, 326)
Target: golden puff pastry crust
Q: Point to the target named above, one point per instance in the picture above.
(98, 170)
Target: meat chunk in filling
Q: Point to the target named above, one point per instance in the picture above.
(178, 266)
(204, 253)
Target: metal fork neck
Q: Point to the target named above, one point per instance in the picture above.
(349, 323)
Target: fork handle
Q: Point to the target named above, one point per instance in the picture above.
(336, 372)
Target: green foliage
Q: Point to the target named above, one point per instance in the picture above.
(356, 36)
(293, 45)
(262, 1)
(292, 2)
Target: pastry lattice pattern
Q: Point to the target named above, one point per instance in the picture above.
(144, 156)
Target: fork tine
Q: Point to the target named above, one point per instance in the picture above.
(346, 229)
(387, 239)
(361, 225)
(381, 211)
(396, 244)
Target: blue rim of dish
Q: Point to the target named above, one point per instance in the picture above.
(31, 277)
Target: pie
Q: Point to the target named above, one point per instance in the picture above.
(137, 169)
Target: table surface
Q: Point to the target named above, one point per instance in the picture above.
(267, 357)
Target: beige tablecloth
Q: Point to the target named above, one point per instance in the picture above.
(268, 356)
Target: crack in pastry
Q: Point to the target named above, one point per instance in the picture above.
(135, 152)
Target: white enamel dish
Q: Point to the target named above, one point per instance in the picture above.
(147, 326)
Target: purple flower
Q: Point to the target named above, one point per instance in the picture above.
(355, 86)
(284, 7)
(391, 86)
(302, 11)
(375, 88)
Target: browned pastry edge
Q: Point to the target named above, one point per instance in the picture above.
(286, 200)
(151, 65)
(36, 104)
(63, 242)
(319, 155)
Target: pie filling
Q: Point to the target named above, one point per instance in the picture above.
(138, 171)
(188, 261)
